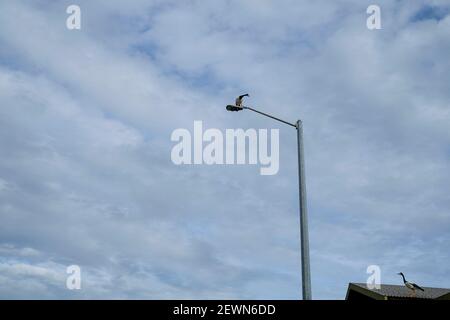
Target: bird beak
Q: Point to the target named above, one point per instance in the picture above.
(399, 273)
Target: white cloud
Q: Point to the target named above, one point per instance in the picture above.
(85, 123)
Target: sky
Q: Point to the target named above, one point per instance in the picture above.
(86, 176)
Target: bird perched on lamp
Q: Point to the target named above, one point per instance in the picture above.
(240, 99)
(410, 285)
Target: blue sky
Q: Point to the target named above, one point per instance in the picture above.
(85, 124)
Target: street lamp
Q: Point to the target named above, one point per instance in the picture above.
(304, 239)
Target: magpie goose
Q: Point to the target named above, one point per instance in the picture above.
(410, 285)
(240, 98)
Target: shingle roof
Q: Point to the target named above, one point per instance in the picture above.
(401, 291)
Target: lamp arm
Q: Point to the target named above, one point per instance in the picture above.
(268, 115)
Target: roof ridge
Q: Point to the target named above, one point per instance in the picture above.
(396, 285)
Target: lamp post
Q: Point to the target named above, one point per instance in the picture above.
(304, 238)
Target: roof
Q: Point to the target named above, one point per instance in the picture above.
(389, 291)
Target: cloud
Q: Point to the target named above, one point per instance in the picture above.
(85, 124)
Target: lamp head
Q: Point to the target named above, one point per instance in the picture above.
(234, 108)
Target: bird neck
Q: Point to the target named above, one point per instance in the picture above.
(404, 280)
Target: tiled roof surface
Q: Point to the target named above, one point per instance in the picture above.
(403, 292)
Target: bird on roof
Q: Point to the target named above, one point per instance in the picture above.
(410, 285)
(240, 99)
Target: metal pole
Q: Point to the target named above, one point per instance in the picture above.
(304, 238)
(304, 241)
